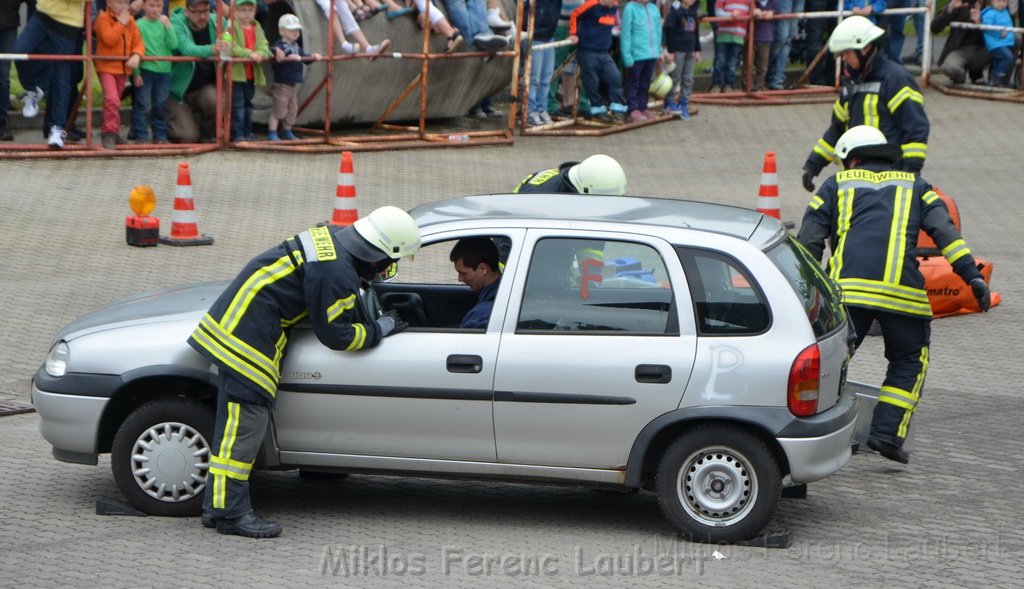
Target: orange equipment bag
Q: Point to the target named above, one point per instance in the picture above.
(947, 293)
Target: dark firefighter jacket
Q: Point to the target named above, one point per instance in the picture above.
(309, 274)
(885, 97)
(550, 180)
(871, 216)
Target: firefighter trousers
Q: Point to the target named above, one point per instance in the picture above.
(238, 434)
(906, 349)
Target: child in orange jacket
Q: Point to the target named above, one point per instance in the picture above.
(116, 36)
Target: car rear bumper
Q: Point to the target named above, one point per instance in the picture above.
(69, 423)
(815, 457)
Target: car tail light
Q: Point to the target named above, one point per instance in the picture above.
(805, 382)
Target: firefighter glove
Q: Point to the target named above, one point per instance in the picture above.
(981, 293)
(400, 324)
(808, 179)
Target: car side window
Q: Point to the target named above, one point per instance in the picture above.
(726, 298)
(581, 285)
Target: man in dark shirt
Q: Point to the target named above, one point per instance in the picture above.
(194, 84)
(476, 262)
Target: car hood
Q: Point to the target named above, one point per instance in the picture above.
(178, 302)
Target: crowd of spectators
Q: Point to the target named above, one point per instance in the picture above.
(624, 44)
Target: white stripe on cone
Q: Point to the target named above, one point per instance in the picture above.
(767, 202)
(346, 179)
(768, 178)
(184, 217)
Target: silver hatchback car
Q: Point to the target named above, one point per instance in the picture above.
(704, 359)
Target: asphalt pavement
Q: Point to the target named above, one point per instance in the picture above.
(949, 518)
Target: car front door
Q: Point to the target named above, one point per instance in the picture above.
(423, 393)
(594, 347)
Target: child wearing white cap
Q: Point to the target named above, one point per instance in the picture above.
(287, 66)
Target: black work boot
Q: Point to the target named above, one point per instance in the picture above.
(249, 525)
(208, 521)
(890, 451)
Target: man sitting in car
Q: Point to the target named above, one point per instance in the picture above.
(476, 263)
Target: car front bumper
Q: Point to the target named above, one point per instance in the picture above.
(69, 423)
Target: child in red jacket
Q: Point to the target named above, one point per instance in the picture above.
(116, 36)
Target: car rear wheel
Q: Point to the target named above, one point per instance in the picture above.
(160, 456)
(718, 483)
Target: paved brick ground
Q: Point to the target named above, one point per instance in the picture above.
(949, 519)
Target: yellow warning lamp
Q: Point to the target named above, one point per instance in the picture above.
(142, 200)
(141, 230)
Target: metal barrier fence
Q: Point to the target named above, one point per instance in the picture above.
(400, 137)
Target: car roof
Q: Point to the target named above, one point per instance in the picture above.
(738, 222)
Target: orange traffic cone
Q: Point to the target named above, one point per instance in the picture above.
(184, 227)
(345, 212)
(768, 194)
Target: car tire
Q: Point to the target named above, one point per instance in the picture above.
(718, 483)
(161, 454)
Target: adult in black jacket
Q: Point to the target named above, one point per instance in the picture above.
(315, 274)
(871, 213)
(964, 52)
(876, 92)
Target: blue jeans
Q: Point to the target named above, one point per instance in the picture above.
(150, 104)
(541, 68)
(241, 109)
(55, 78)
(1002, 61)
(598, 68)
(7, 37)
(895, 25)
(727, 57)
(785, 30)
(470, 17)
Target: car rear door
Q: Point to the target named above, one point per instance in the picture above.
(590, 353)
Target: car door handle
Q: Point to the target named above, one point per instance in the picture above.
(653, 373)
(465, 363)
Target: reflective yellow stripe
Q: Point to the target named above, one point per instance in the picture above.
(887, 288)
(915, 149)
(955, 251)
(358, 339)
(871, 110)
(340, 306)
(262, 277)
(898, 235)
(929, 197)
(897, 397)
(224, 454)
(816, 202)
(903, 95)
(294, 320)
(860, 178)
(844, 211)
(232, 361)
(238, 346)
(234, 469)
(878, 301)
(840, 112)
(824, 149)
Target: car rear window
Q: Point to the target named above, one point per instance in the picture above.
(727, 300)
(817, 292)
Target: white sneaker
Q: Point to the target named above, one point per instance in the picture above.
(57, 135)
(495, 21)
(544, 116)
(533, 119)
(30, 107)
(349, 48)
(379, 48)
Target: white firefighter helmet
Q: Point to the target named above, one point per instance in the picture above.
(391, 231)
(867, 142)
(856, 32)
(598, 174)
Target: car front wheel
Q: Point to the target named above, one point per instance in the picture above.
(160, 456)
(718, 483)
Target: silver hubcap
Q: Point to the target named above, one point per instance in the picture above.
(717, 487)
(169, 462)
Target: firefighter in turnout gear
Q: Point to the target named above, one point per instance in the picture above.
(598, 174)
(315, 274)
(871, 214)
(875, 91)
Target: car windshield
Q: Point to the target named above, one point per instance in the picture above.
(817, 292)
